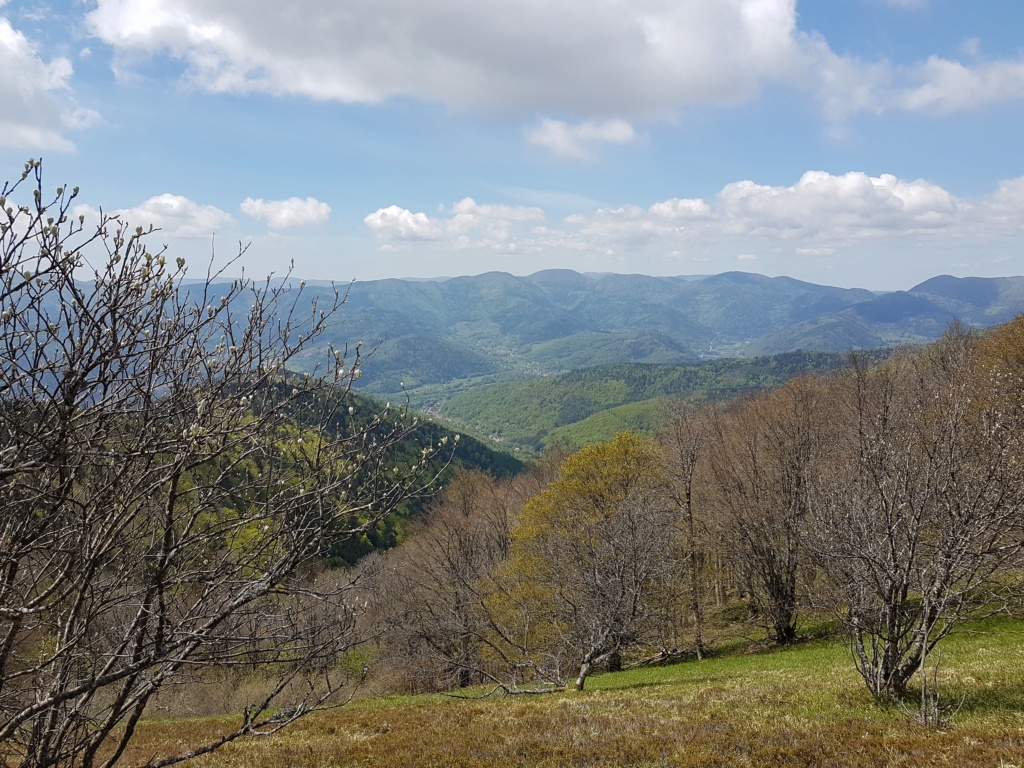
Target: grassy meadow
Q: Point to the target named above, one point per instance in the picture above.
(799, 706)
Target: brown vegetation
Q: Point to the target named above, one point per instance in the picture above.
(801, 707)
(167, 489)
(889, 497)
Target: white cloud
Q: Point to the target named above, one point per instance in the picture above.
(36, 106)
(947, 86)
(847, 86)
(678, 208)
(467, 225)
(402, 224)
(172, 215)
(573, 57)
(285, 214)
(594, 69)
(1003, 211)
(848, 207)
(578, 141)
(819, 216)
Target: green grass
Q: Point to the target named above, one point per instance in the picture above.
(800, 706)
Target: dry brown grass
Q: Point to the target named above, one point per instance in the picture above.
(799, 707)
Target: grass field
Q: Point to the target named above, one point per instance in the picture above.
(800, 706)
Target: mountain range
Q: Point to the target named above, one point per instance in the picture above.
(435, 337)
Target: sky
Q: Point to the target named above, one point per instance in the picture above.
(868, 143)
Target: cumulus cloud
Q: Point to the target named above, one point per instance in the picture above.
(402, 224)
(36, 105)
(1003, 211)
(819, 216)
(677, 208)
(851, 206)
(599, 67)
(467, 224)
(285, 214)
(578, 141)
(605, 67)
(572, 57)
(173, 215)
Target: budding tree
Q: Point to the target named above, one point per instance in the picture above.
(685, 444)
(166, 486)
(922, 505)
(764, 457)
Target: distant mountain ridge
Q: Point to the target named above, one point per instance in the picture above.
(457, 332)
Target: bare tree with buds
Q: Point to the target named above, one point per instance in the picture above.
(167, 486)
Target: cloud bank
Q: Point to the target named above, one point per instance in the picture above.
(603, 66)
(816, 217)
(466, 225)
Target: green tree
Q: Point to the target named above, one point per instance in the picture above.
(588, 557)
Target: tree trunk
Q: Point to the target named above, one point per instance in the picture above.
(585, 668)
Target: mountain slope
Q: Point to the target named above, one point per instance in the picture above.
(467, 329)
(532, 414)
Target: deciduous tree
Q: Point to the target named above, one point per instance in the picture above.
(685, 443)
(764, 457)
(166, 486)
(587, 558)
(922, 506)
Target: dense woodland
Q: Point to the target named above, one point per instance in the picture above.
(183, 512)
(886, 495)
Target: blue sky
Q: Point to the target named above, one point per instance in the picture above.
(867, 142)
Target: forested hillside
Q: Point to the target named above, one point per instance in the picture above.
(587, 405)
(377, 420)
(882, 498)
(467, 329)
(195, 497)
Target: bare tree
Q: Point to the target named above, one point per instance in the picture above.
(434, 601)
(922, 506)
(439, 629)
(763, 460)
(686, 444)
(166, 486)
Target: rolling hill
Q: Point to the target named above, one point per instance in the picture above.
(471, 329)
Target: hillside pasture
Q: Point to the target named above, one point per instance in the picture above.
(799, 706)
